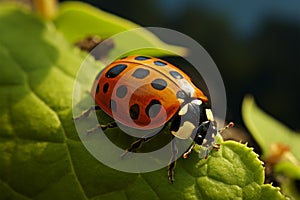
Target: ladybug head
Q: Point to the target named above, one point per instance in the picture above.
(203, 129)
(206, 126)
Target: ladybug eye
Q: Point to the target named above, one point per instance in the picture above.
(198, 139)
(202, 129)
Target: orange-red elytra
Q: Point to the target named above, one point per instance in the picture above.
(144, 92)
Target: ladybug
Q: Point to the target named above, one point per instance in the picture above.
(145, 93)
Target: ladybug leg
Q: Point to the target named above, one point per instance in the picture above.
(102, 127)
(135, 145)
(172, 162)
(87, 112)
(216, 147)
(110, 125)
(207, 148)
(188, 152)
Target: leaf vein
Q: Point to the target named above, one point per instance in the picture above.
(64, 132)
(13, 190)
(152, 188)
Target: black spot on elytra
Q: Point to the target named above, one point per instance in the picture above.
(176, 75)
(140, 73)
(159, 84)
(159, 63)
(121, 91)
(180, 94)
(105, 87)
(134, 111)
(113, 105)
(141, 58)
(97, 88)
(115, 71)
(153, 108)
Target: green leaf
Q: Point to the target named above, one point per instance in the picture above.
(270, 192)
(41, 155)
(78, 20)
(266, 130)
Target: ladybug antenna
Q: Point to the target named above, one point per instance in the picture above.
(230, 125)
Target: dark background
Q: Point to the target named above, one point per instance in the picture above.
(255, 44)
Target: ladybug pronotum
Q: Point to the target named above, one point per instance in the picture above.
(165, 94)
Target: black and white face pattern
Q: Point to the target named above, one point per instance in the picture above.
(193, 120)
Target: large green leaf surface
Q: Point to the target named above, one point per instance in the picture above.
(77, 20)
(41, 155)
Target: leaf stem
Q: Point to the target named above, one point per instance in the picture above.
(46, 8)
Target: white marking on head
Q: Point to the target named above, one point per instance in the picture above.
(184, 131)
(183, 110)
(197, 102)
(209, 115)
